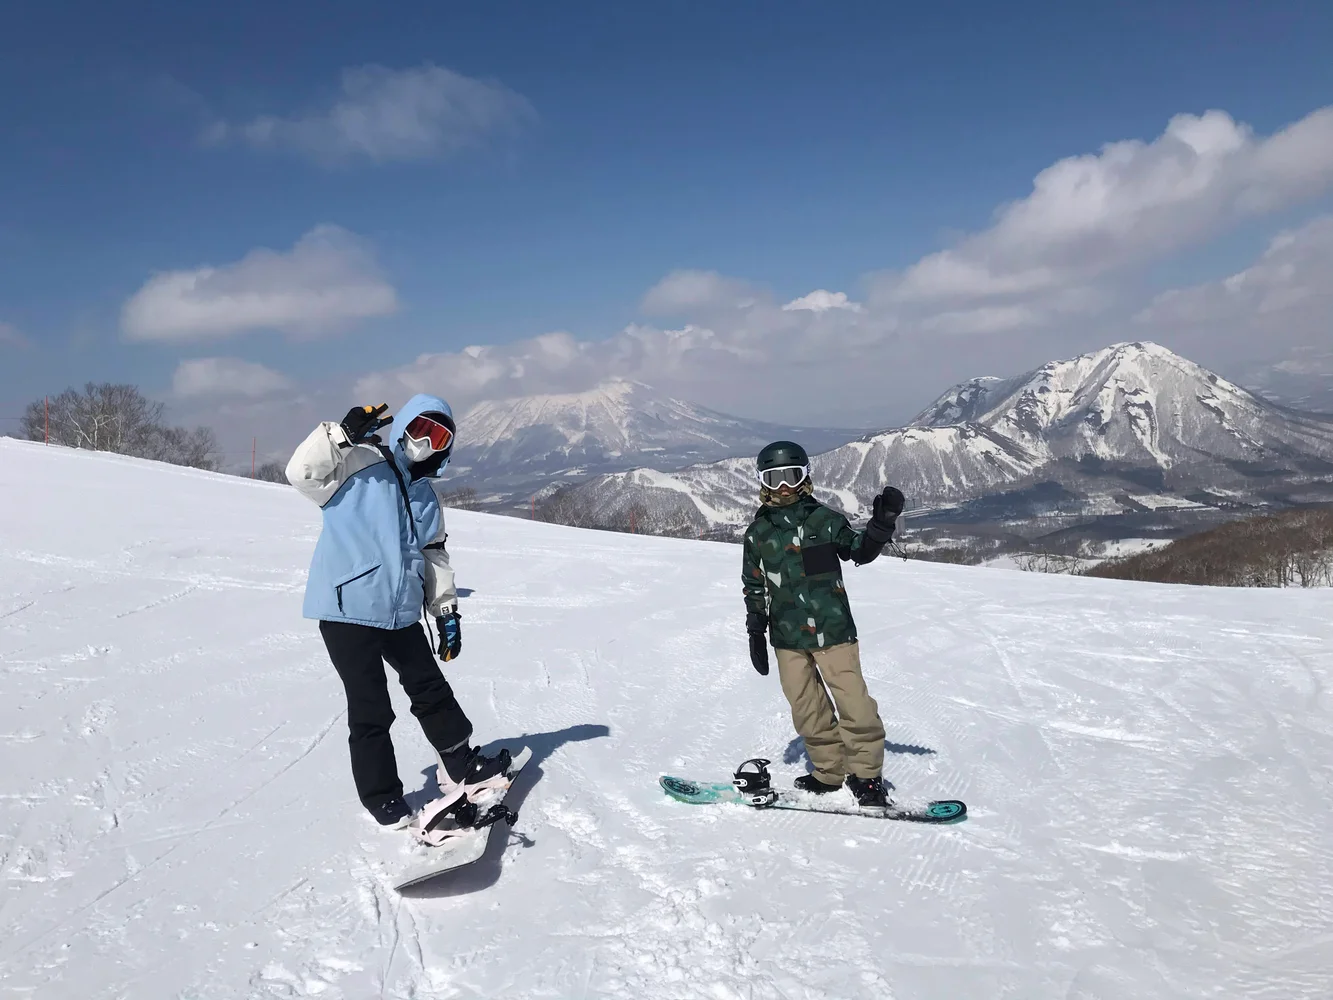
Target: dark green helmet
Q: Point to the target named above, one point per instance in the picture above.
(782, 453)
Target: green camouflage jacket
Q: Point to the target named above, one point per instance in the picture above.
(791, 572)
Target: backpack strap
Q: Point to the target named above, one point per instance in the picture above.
(402, 491)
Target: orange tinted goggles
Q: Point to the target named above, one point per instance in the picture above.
(421, 428)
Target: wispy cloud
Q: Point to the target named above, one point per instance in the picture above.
(226, 377)
(328, 280)
(384, 115)
(12, 336)
(1053, 273)
(689, 292)
(1091, 216)
(822, 300)
(1287, 294)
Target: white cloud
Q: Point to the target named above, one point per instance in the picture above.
(1287, 293)
(220, 377)
(326, 281)
(423, 113)
(1094, 214)
(555, 362)
(694, 292)
(822, 301)
(1050, 277)
(12, 336)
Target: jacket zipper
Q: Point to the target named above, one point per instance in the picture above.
(352, 580)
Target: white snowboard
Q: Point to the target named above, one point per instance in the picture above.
(465, 848)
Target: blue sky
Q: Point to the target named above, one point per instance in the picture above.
(779, 148)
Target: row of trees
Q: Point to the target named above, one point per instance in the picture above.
(118, 418)
(1293, 548)
(571, 506)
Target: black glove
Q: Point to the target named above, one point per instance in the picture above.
(363, 420)
(757, 625)
(885, 510)
(451, 634)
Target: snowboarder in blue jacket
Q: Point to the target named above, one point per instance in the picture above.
(381, 562)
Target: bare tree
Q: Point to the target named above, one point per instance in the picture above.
(272, 472)
(566, 506)
(1071, 557)
(463, 498)
(118, 418)
(197, 448)
(1293, 548)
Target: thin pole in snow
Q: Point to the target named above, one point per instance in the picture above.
(46, 408)
(253, 442)
(532, 507)
(631, 523)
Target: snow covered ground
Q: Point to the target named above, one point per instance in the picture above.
(1147, 770)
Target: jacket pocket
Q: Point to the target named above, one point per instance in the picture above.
(819, 559)
(359, 573)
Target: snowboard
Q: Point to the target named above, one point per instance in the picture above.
(838, 803)
(468, 846)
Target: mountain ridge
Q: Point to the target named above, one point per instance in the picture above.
(514, 447)
(1130, 415)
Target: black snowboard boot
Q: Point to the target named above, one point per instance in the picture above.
(467, 766)
(809, 783)
(394, 814)
(868, 791)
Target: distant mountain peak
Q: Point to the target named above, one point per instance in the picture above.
(517, 445)
(1133, 409)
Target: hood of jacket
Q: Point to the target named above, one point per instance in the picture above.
(421, 403)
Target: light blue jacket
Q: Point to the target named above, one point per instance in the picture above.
(374, 564)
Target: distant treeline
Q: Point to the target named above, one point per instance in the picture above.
(1293, 548)
(105, 416)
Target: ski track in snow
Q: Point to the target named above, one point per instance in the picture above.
(1146, 770)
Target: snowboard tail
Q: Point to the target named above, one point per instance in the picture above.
(709, 792)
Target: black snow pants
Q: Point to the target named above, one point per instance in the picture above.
(358, 653)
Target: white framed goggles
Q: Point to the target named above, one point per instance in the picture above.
(425, 429)
(784, 475)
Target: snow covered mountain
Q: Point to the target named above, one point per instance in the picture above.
(1146, 769)
(1131, 417)
(517, 445)
(1138, 404)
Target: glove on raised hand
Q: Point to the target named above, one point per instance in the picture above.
(757, 625)
(885, 510)
(362, 420)
(451, 634)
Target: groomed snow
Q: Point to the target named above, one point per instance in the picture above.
(1147, 770)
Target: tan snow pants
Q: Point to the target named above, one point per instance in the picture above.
(853, 740)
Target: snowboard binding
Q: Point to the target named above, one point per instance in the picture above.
(438, 823)
(459, 814)
(472, 818)
(754, 783)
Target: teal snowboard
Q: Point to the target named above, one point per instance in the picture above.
(838, 803)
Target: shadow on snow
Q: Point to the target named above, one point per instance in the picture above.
(485, 871)
(796, 751)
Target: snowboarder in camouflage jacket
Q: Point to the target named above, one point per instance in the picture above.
(794, 595)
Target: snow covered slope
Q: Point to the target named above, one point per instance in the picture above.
(1098, 423)
(1147, 771)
